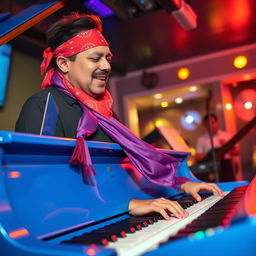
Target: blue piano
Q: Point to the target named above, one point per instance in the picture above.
(47, 209)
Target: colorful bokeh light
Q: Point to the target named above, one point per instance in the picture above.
(240, 62)
(228, 106)
(183, 73)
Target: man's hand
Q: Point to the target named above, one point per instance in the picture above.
(193, 188)
(160, 205)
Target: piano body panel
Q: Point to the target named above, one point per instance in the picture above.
(29, 246)
(41, 195)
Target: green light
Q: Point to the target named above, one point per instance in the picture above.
(199, 235)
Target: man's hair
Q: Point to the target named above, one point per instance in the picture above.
(68, 27)
(207, 116)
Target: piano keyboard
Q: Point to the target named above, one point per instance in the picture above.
(149, 238)
(137, 235)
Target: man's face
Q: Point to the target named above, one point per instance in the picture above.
(90, 70)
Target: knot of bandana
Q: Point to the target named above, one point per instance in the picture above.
(79, 43)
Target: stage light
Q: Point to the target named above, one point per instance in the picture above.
(164, 104)
(189, 119)
(183, 73)
(240, 62)
(228, 106)
(181, 11)
(193, 88)
(178, 100)
(159, 123)
(158, 96)
(99, 8)
(243, 104)
(248, 105)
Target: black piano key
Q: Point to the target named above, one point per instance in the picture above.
(87, 240)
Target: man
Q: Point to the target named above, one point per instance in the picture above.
(219, 139)
(81, 59)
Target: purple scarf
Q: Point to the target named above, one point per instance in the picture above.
(154, 165)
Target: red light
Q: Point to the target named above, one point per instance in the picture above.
(123, 234)
(177, 3)
(18, 233)
(91, 251)
(14, 175)
(104, 241)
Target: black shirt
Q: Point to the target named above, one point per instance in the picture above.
(31, 116)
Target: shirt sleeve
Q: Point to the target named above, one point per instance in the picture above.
(31, 116)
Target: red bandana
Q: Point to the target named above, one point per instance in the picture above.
(79, 43)
(101, 105)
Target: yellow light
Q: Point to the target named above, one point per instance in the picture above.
(159, 123)
(240, 62)
(178, 100)
(193, 88)
(193, 151)
(248, 105)
(190, 162)
(158, 96)
(183, 73)
(228, 106)
(164, 104)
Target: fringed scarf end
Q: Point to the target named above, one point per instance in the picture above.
(82, 157)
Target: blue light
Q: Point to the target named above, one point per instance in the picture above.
(5, 55)
(190, 120)
(99, 8)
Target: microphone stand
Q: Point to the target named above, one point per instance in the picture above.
(215, 167)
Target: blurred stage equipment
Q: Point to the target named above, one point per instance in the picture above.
(169, 136)
(13, 26)
(181, 11)
(129, 9)
(149, 80)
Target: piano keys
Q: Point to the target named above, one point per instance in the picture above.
(45, 206)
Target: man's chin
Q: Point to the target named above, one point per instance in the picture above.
(98, 93)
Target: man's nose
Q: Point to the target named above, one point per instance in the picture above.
(105, 65)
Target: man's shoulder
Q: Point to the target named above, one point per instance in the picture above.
(57, 95)
(204, 136)
(42, 94)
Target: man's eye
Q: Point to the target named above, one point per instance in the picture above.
(95, 59)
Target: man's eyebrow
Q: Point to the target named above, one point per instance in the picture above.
(101, 54)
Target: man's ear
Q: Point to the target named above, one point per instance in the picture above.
(62, 63)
